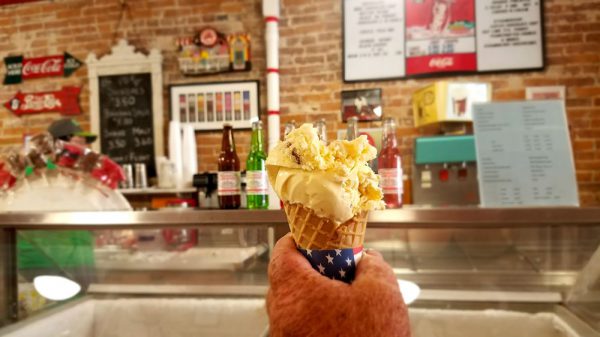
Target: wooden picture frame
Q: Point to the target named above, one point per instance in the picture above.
(364, 104)
(207, 106)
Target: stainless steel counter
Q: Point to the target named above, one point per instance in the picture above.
(397, 218)
(524, 250)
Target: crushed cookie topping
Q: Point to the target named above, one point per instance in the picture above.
(296, 157)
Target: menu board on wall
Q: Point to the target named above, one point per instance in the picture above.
(524, 155)
(385, 39)
(126, 124)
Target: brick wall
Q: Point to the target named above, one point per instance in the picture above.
(310, 58)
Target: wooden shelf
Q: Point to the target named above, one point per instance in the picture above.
(154, 190)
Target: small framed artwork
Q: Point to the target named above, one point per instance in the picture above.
(207, 106)
(545, 93)
(364, 104)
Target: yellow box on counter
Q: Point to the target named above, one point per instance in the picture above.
(448, 102)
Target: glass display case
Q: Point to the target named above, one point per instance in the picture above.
(481, 272)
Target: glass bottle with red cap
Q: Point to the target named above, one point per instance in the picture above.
(390, 166)
(228, 178)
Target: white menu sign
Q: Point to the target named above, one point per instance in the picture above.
(509, 35)
(371, 43)
(524, 155)
(386, 39)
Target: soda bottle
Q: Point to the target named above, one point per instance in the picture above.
(352, 130)
(322, 130)
(390, 167)
(228, 178)
(257, 196)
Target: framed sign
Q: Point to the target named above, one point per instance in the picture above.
(364, 104)
(207, 106)
(388, 39)
(545, 93)
(65, 101)
(126, 105)
(524, 154)
(12, 2)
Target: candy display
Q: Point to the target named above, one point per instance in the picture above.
(7, 180)
(46, 155)
(210, 51)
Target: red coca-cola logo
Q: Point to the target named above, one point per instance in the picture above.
(441, 62)
(46, 67)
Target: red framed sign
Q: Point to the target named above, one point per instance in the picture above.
(12, 2)
(65, 101)
(388, 39)
(19, 68)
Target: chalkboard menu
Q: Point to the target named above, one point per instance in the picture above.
(126, 125)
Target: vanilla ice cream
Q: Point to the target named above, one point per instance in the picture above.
(332, 180)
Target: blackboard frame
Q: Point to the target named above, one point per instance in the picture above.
(126, 121)
(544, 61)
(124, 60)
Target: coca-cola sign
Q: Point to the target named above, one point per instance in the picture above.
(19, 68)
(441, 62)
(65, 101)
(445, 63)
(50, 66)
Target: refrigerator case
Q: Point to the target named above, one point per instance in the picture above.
(482, 272)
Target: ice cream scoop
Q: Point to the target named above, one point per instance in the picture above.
(332, 180)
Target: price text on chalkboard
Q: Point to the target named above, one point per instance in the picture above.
(126, 126)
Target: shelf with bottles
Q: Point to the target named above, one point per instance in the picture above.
(156, 190)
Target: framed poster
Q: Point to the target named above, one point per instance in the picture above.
(364, 104)
(545, 93)
(207, 106)
(390, 39)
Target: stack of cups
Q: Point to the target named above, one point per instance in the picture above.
(189, 155)
(175, 152)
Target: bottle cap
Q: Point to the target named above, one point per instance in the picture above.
(389, 120)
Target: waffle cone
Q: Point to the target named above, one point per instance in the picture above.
(314, 232)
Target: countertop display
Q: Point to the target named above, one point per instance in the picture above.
(535, 263)
(409, 217)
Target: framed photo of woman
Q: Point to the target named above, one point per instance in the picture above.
(364, 104)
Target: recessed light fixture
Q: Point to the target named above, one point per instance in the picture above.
(410, 291)
(56, 288)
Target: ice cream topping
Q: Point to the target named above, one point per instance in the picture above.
(333, 180)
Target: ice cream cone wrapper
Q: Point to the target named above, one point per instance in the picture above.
(336, 264)
(333, 249)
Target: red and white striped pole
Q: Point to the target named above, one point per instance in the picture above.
(271, 15)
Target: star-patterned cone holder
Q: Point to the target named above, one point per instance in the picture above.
(332, 249)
